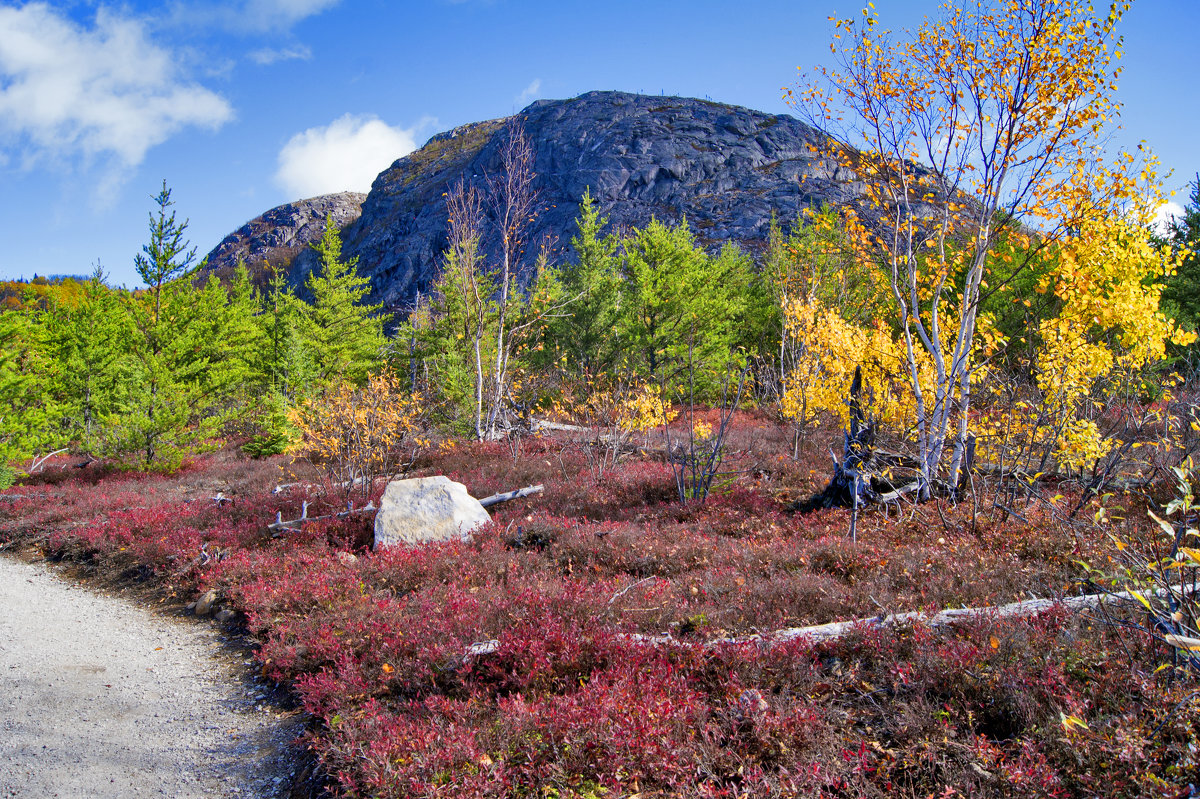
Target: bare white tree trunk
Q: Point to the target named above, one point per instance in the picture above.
(512, 198)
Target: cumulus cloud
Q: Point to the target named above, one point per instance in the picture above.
(267, 56)
(105, 93)
(345, 155)
(1165, 213)
(530, 93)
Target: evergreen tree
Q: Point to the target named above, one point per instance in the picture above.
(1181, 295)
(166, 256)
(345, 336)
(584, 331)
(681, 309)
(224, 320)
(280, 365)
(87, 341)
(27, 412)
(284, 365)
(186, 356)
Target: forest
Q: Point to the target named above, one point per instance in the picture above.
(972, 390)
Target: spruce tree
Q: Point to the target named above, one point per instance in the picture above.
(680, 308)
(345, 335)
(87, 341)
(27, 412)
(166, 256)
(591, 284)
(186, 356)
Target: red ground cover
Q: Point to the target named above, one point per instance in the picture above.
(570, 703)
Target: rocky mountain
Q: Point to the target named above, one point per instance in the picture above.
(724, 168)
(279, 235)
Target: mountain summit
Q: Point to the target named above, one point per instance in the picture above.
(724, 168)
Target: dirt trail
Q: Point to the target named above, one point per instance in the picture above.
(101, 698)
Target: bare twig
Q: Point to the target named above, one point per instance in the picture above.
(629, 588)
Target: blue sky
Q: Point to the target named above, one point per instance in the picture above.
(246, 104)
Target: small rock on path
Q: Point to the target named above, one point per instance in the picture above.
(101, 698)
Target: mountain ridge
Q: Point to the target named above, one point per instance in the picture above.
(724, 168)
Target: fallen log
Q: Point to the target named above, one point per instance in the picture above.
(541, 424)
(837, 629)
(505, 496)
(279, 525)
(943, 618)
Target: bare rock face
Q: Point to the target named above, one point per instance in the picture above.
(427, 510)
(723, 168)
(277, 237)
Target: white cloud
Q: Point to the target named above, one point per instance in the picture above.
(267, 55)
(243, 17)
(107, 93)
(1164, 214)
(266, 14)
(345, 155)
(530, 93)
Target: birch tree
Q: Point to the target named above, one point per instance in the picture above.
(989, 117)
(512, 200)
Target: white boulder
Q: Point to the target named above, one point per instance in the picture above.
(427, 509)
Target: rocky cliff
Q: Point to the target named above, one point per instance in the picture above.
(279, 235)
(724, 168)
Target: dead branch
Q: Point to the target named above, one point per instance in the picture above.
(505, 496)
(279, 525)
(40, 461)
(944, 618)
(630, 587)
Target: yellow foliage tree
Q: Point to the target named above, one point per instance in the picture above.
(1107, 280)
(982, 121)
(827, 349)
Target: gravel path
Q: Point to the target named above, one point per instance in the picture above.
(101, 698)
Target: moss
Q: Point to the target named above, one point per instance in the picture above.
(443, 151)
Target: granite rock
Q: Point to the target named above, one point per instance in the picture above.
(280, 235)
(427, 509)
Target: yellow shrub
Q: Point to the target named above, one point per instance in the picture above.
(359, 434)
